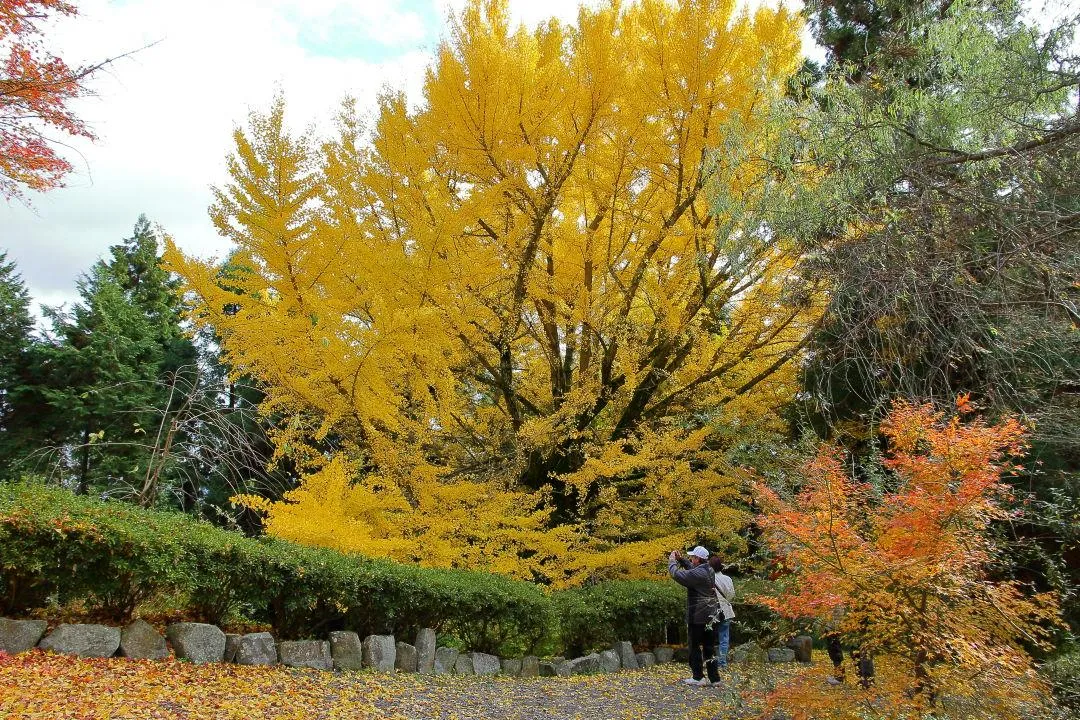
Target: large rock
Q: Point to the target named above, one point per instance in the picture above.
(380, 652)
(781, 655)
(445, 660)
(82, 640)
(663, 655)
(682, 654)
(511, 667)
(256, 649)
(141, 641)
(232, 641)
(463, 665)
(555, 668)
(425, 651)
(406, 657)
(627, 658)
(803, 646)
(197, 642)
(530, 667)
(646, 659)
(306, 653)
(484, 664)
(609, 661)
(346, 650)
(587, 665)
(18, 636)
(748, 652)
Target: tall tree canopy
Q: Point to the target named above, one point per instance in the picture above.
(16, 327)
(521, 312)
(108, 367)
(946, 197)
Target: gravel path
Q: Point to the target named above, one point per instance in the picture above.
(656, 694)
(45, 686)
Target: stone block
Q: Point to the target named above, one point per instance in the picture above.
(627, 658)
(511, 667)
(530, 667)
(346, 650)
(484, 664)
(609, 661)
(682, 654)
(406, 657)
(748, 652)
(82, 640)
(663, 655)
(445, 660)
(425, 651)
(231, 642)
(306, 653)
(555, 668)
(256, 649)
(781, 655)
(380, 652)
(803, 646)
(646, 659)
(587, 665)
(141, 641)
(18, 636)
(463, 665)
(197, 642)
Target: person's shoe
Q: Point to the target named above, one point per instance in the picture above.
(832, 680)
(718, 683)
(696, 681)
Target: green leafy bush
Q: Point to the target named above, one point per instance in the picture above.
(1063, 673)
(53, 544)
(596, 616)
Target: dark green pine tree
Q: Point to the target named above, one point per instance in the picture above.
(17, 402)
(112, 367)
(865, 32)
(103, 366)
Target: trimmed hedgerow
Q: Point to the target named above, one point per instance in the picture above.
(110, 556)
(595, 616)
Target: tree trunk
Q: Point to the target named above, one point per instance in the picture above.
(84, 470)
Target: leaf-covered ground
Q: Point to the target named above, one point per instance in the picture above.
(38, 685)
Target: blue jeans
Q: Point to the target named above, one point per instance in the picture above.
(723, 638)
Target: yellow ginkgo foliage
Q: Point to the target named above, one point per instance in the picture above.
(518, 313)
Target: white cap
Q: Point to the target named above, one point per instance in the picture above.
(700, 552)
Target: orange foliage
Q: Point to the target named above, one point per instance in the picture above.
(35, 88)
(903, 569)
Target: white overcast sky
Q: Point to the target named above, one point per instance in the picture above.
(164, 116)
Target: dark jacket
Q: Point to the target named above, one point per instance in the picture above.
(698, 581)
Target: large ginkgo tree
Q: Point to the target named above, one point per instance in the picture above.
(514, 325)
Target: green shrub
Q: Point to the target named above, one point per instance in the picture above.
(55, 545)
(596, 616)
(1063, 673)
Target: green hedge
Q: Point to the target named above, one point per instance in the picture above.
(59, 548)
(595, 616)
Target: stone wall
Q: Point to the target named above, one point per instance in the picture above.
(344, 650)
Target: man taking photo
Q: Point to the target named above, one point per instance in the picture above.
(693, 573)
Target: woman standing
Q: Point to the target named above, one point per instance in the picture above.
(724, 590)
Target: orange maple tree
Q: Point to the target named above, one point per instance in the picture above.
(36, 89)
(904, 567)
